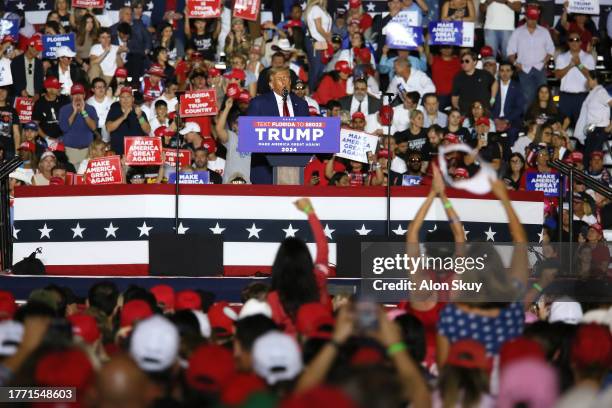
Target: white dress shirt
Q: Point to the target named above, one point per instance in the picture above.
(530, 48)
(503, 89)
(355, 105)
(595, 111)
(417, 81)
(280, 103)
(574, 81)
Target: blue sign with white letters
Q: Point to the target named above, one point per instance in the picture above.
(52, 42)
(446, 33)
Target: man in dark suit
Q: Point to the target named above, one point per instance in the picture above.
(507, 111)
(25, 66)
(279, 102)
(360, 101)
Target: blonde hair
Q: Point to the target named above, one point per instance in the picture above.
(94, 145)
(312, 3)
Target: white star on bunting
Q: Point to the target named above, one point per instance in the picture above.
(490, 234)
(541, 235)
(434, 228)
(150, 6)
(399, 230)
(363, 230)
(42, 5)
(290, 231)
(217, 230)
(371, 7)
(45, 231)
(253, 231)
(78, 231)
(182, 229)
(108, 5)
(328, 231)
(110, 230)
(465, 233)
(20, 6)
(144, 230)
(15, 232)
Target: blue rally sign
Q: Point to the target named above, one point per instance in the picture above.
(548, 183)
(446, 33)
(260, 134)
(53, 42)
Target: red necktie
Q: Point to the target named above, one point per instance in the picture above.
(286, 108)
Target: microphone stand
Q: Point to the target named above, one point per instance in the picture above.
(177, 169)
(389, 158)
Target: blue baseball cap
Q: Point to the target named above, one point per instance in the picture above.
(30, 126)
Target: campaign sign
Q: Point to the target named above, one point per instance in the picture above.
(408, 180)
(53, 42)
(288, 134)
(468, 34)
(199, 103)
(548, 183)
(97, 4)
(446, 33)
(401, 37)
(9, 26)
(195, 177)
(184, 157)
(104, 170)
(583, 6)
(142, 151)
(24, 107)
(204, 8)
(355, 145)
(247, 9)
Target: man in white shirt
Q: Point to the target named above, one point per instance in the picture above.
(529, 49)
(572, 68)
(106, 55)
(101, 103)
(409, 79)
(595, 113)
(499, 23)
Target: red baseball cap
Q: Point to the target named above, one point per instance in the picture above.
(28, 147)
(213, 72)
(121, 73)
(8, 307)
(188, 300)
(597, 153)
(468, 353)
(451, 138)
(365, 55)
(239, 387)
(597, 227)
(483, 121)
(57, 147)
(486, 51)
(77, 89)
(236, 73)
(156, 70)
(64, 368)
(164, 131)
(461, 172)
(8, 38)
(134, 310)
(592, 346)
(210, 145)
(52, 83)
(358, 115)
(532, 12)
(354, 4)
(520, 348)
(85, 326)
(344, 67)
(576, 157)
(293, 24)
(126, 89)
(36, 42)
(210, 368)
(164, 294)
(367, 355)
(383, 153)
(232, 90)
(222, 317)
(244, 96)
(314, 320)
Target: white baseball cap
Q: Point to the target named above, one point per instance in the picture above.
(24, 175)
(204, 321)
(190, 127)
(11, 333)
(565, 310)
(276, 357)
(64, 51)
(154, 344)
(254, 307)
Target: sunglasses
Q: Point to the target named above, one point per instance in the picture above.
(466, 61)
(414, 160)
(299, 88)
(575, 39)
(30, 65)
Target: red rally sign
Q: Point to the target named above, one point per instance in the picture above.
(104, 170)
(97, 4)
(142, 151)
(184, 157)
(247, 9)
(24, 107)
(204, 8)
(199, 103)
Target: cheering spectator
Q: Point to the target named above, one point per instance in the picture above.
(96, 149)
(238, 40)
(333, 84)
(101, 102)
(227, 132)
(530, 48)
(458, 10)
(78, 122)
(407, 79)
(67, 71)
(572, 68)
(46, 110)
(580, 24)
(125, 119)
(105, 57)
(444, 68)
(472, 84)
(27, 70)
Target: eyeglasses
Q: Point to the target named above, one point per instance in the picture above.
(575, 39)
(466, 61)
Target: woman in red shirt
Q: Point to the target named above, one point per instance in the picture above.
(444, 67)
(333, 85)
(296, 280)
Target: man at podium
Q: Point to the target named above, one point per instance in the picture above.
(279, 102)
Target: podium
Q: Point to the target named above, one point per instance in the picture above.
(288, 169)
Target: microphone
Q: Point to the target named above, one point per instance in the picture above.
(285, 94)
